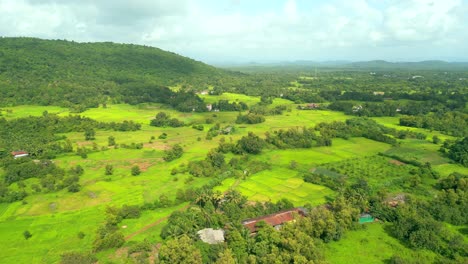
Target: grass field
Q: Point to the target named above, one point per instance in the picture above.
(55, 218)
(394, 121)
(371, 245)
(379, 172)
(423, 151)
(283, 182)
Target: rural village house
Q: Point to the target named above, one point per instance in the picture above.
(276, 220)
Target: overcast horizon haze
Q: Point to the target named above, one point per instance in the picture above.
(240, 31)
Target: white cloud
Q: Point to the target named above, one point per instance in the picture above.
(215, 30)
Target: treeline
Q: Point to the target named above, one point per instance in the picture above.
(184, 101)
(163, 119)
(70, 74)
(226, 106)
(456, 150)
(450, 123)
(38, 135)
(51, 178)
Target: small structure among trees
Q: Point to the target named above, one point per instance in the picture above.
(276, 220)
(19, 154)
(211, 236)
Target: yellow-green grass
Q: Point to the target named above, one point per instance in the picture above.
(341, 149)
(31, 110)
(283, 182)
(52, 234)
(278, 183)
(371, 245)
(50, 238)
(231, 97)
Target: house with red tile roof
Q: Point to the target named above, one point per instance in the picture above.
(276, 220)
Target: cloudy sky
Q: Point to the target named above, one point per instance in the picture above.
(218, 31)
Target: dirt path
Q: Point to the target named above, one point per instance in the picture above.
(160, 220)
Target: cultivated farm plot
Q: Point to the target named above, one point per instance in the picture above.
(423, 151)
(278, 183)
(379, 172)
(283, 182)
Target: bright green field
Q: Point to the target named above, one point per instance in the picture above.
(424, 151)
(283, 182)
(54, 219)
(393, 122)
(371, 245)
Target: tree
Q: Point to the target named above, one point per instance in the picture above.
(74, 187)
(180, 250)
(251, 144)
(459, 151)
(89, 134)
(27, 235)
(111, 141)
(217, 159)
(110, 169)
(136, 170)
(174, 153)
(226, 257)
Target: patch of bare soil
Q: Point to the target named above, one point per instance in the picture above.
(397, 162)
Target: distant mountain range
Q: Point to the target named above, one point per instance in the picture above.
(364, 65)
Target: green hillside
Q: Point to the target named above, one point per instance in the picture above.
(58, 72)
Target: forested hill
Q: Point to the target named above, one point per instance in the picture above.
(36, 71)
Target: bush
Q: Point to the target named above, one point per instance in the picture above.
(136, 170)
(27, 235)
(174, 153)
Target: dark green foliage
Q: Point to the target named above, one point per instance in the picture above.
(458, 151)
(216, 159)
(37, 135)
(140, 246)
(111, 141)
(225, 105)
(250, 118)
(89, 134)
(135, 170)
(198, 127)
(420, 230)
(107, 239)
(67, 73)
(292, 138)
(77, 257)
(109, 169)
(250, 144)
(451, 123)
(162, 120)
(129, 212)
(332, 180)
(174, 153)
(27, 235)
(451, 203)
(74, 187)
(178, 251)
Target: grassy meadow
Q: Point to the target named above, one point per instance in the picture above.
(55, 219)
(371, 244)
